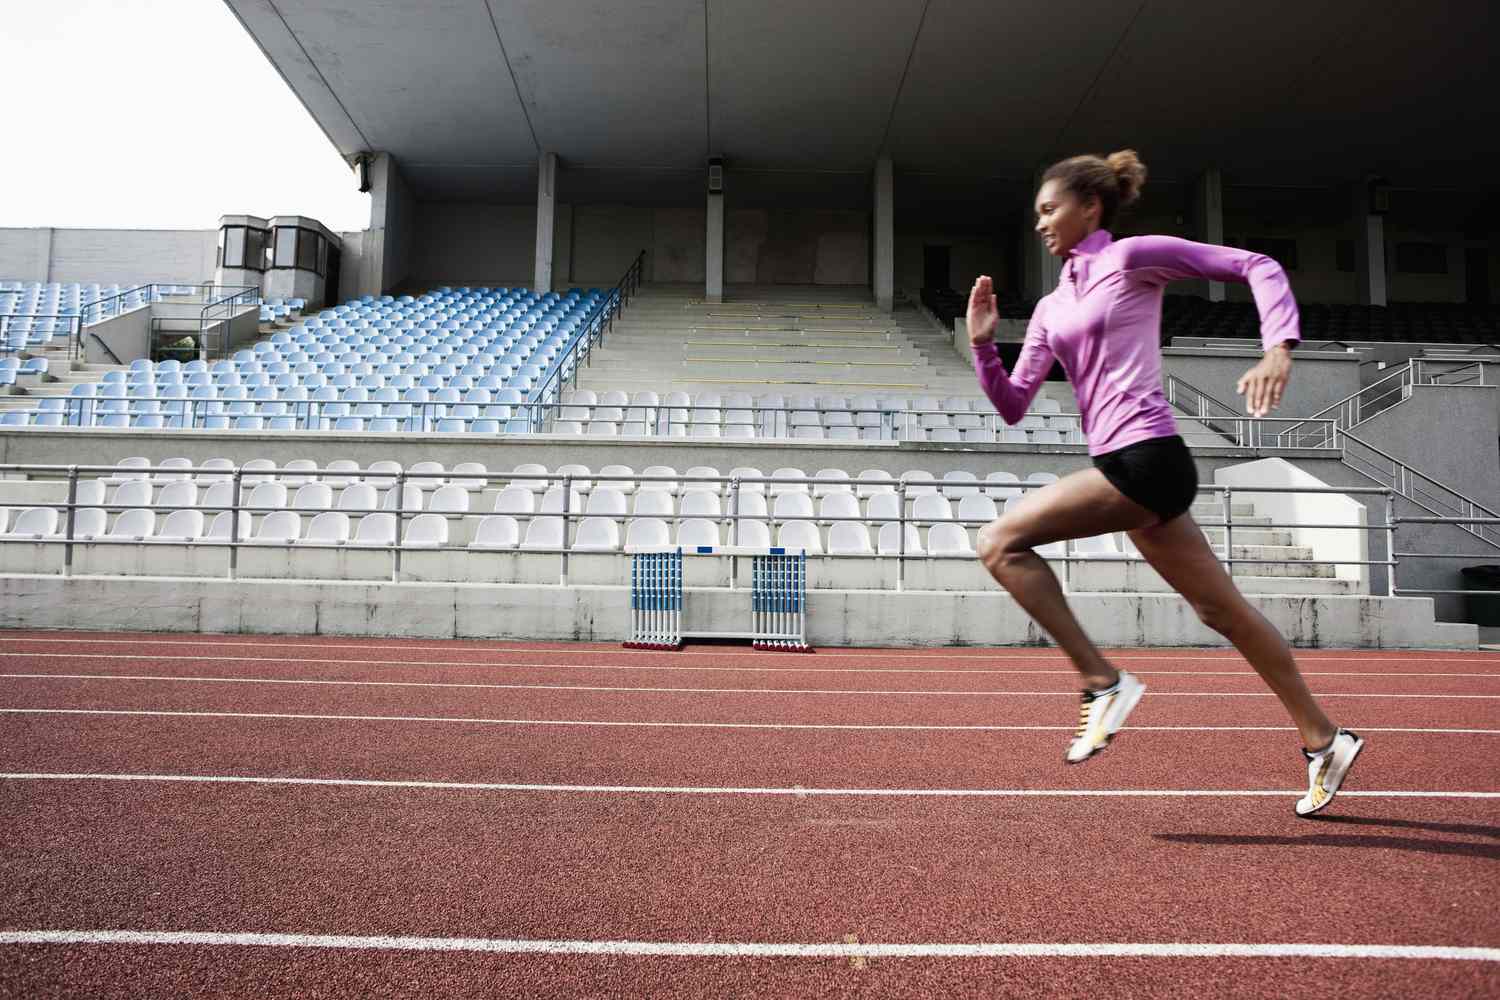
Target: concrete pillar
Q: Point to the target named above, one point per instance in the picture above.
(546, 210)
(1040, 270)
(1369, 250)
(713, 282)
(885, 241)
(1210, 212)
(384, 260)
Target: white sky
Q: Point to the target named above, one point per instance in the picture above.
(159, 114)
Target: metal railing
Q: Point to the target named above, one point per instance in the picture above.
(1235, 428)
(654, 420)
(1379, 396)
(591, 332)
(17, 331)
(240, 531)
(1436, 498)
(219, 311)
(118, 303)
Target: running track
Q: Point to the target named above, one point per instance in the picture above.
(305, 817)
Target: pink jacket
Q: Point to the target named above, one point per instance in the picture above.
(1103, 325)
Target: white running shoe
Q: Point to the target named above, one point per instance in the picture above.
(1326, 770)
(1100, 716)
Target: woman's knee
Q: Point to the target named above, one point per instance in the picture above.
(1222, 617)
(998, 543)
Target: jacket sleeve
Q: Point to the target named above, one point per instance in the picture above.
(1167, 258)
(1012, 393)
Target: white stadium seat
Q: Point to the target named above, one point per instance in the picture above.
(496, 532)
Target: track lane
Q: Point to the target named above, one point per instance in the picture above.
(1016, 702)
(702, 672)
(569, 867)
(128, 973)
(661, 756)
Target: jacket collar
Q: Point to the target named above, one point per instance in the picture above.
(1078, 271)
(1092, 244)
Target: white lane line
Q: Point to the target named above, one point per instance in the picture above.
(796, 790)
(1047, 654)
(757, 949)
(874, 692)
(1245, 672)
(696, 725)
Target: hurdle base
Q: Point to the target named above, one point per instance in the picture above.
(659, 646)
(781, 646)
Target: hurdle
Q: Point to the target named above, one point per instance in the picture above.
(655, 600)
(778, 601)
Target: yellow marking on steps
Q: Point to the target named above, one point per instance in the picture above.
(795, 361)
(794, 344)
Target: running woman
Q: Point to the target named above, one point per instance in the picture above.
(1102, 324)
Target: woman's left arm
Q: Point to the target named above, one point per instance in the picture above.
(1168, 258)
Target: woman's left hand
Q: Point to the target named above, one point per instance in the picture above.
(1263, 385)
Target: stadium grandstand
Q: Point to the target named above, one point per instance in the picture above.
(656, 336)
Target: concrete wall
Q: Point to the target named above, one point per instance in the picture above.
(970, 255)
(1450, 434)
(475, 244)
(1443, 431)
(600, 614)
(1306, 508)
(1318, 380)
(108, 256)
(796, 247)
(606, 238)
(118, 340)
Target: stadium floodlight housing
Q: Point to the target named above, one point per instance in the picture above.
(362, 171)
(716, 175)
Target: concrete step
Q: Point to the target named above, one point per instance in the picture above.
(1215, 509)
(1250, 536)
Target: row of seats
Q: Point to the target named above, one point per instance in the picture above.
(280, 310)
(520, 501)
(492, 339)
(534, 476)
(1431, 322)
(1192, 316)
(593, 533)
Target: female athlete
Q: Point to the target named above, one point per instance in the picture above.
(1102, 324)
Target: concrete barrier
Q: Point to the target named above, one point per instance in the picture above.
(601, 614)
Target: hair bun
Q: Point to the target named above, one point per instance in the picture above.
(1130, 172)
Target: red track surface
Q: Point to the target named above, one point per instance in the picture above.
(724, 866)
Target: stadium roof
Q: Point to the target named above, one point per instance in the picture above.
(465, 93)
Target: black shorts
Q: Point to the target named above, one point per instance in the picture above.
(1159, 474)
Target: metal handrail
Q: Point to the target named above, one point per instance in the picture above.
(595, 326)
(238, 295)
(1380, 395)
(1424, 491)
(9, 320)
(402, 477)
(657, 420)
(1240, 430)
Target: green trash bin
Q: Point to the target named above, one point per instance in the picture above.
(1482, 609)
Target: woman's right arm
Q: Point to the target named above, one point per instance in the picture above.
(1012, 392)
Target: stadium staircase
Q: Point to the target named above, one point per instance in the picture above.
(817, 339)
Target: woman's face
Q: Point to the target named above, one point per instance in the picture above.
(1061, 219)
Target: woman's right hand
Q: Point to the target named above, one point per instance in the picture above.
(983, 314)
